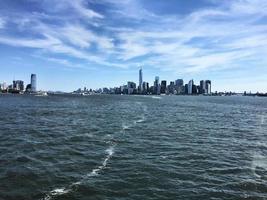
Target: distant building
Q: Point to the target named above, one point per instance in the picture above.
(205, 87)
(171, 88)
(28, 88)
(18, 85)
(208, 87)
(118, 90)
(105, 90)
(145, 87)
(190, 86)
(3, 86)
(163, 87)
(179, 82)
(131, 87)
(194, 89)
(33, 83)
(156, 86)
(179, 86)
(140, 80)
(186, 89)
(202, 87)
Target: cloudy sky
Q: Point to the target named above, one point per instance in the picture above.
(97, 43)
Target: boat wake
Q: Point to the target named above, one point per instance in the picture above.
(156, 97)
(95, 172)
(72, 187)
(259, 164)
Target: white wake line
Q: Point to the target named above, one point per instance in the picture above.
(94, 172)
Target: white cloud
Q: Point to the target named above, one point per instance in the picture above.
(80, 6)
(2, 23)
(207, 39)
(203, 40)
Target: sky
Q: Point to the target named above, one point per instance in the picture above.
(102, 43)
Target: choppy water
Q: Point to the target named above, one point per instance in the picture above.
(133, 147)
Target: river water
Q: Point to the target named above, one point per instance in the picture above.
(132, 147)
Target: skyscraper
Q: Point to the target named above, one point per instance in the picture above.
(205, 87)
(140, 80)
(179, 84)
(18, 85)
(131, 86)
(163, 87)
(208, 87)
(145, 88)
(33, 83)
(156, 85)
(202, 87)
(190, 86)
(171, 88)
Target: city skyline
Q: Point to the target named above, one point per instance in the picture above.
(96, 44)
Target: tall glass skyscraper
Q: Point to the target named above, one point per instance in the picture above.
(33, 83)
(140, 80)
(190, 86)
(156, 85)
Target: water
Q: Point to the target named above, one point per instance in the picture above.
(132, 147)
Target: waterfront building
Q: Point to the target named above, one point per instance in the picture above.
(118, 90)
(28, 88)
(18, 85)
(163, 87)
(131, 87)
(202, 87)
(145, 87)
(186, 88)
(205, 87)
(3, 86)
(179, 82)
(33, 83)
(179, 86)
(140, 80)
(194, 89)
(208, 87)
(124, 89)
(190, 86)
(171, 88)
(156, 86)
(106, 90)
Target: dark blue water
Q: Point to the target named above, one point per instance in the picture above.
(132, 147)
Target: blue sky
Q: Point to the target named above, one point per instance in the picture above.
(101, 43)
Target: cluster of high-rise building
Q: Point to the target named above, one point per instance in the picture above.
(18, 86)
(158, 87)
(161, 87)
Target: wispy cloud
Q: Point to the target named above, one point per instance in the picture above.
(80, 6)
(2, 23)
(124, 33)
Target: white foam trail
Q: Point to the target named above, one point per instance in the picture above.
(156, 97)
(125, 127)
(94, 172)
(258, 161)
(56, 192)
(140, 120)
